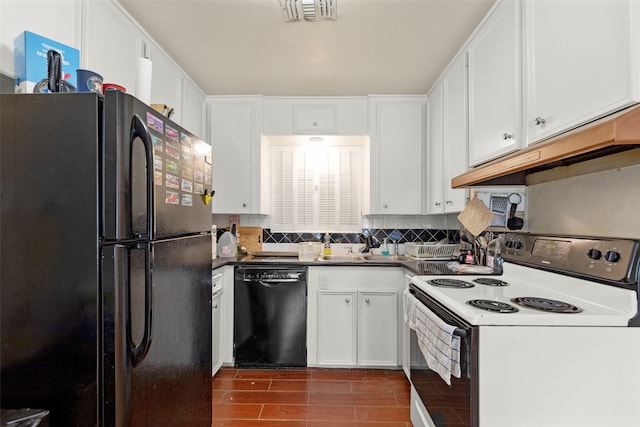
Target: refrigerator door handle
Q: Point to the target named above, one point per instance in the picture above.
(139, 352)
(139, 130)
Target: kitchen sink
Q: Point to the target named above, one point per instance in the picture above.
(344, 257)
(388, 258)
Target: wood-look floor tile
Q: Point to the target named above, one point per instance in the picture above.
(356, 424)
(275, 397)
(348, 374)
(383, 398)
(236, 384)
(404, 399)
(217, 396)
(226, 372)
(305, 412)
(258, 423)
(238, 411)
(273, 374)
(377, 413)
(311, 385)
(379, 385)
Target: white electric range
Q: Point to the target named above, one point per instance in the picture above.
(553, 341)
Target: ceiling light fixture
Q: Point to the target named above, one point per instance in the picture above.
(309, 10)
(316, 139)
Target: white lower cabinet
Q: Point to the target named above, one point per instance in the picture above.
(337, 328)
(378, 328)
(353, 316)
(216, 336)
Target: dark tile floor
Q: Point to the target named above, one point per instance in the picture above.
(310, 397)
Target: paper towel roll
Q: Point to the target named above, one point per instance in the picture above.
(143, 80)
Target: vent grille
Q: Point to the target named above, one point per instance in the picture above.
(309, 10)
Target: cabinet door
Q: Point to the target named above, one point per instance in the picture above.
(455, 132)
(495, 86)
(236, 155)
(378, 328)
(111, 43)
(579, 62)
(396, 155)
(337, 328)
(435, 144)
(312, 119)
(193, 102)
(216, 337)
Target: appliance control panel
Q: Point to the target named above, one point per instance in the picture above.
(600, 258)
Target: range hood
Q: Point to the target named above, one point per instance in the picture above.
(611, 134)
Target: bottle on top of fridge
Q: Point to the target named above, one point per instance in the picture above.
(327, 244)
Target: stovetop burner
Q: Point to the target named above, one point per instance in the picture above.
(544, 304)
(490, 282)
(495, 306)
(451, 283)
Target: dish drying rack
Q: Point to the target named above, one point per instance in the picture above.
(422, 251)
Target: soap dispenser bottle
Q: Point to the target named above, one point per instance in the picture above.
(327, 244)
(385, 247)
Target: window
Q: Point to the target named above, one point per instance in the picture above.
(316, 189)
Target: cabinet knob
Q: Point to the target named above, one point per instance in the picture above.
(385, 205)
(315, 124)
(437, 203)
(539, 121)
(449, 202)
(506, 136)
(367, 300)
(244, 205)
(347, 300)
(215, 307)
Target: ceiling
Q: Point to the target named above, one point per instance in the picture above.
(244, 47)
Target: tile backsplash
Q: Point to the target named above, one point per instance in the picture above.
(412, 228)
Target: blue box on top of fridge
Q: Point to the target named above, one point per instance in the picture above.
(30, 55)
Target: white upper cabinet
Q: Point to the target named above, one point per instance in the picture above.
(396, 131)
(193, 102)
(581, 62)
(447, 155)
(435, 167)
(309, 116)
(111, 43)
(235, 136)
(495, 85)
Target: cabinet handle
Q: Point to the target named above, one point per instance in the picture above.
(215, 307)
(315, 124)
(539, 121)
(437, 203)
(347, 300)
(385, 205)
(449, 202)
(506, 136)
(367, 300)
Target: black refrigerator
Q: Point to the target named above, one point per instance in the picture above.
(105, 262)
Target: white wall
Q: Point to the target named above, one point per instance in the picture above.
(605, 204)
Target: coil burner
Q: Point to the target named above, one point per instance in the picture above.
(451, 283)
(548, 305)
(494, 306)
(490, 282)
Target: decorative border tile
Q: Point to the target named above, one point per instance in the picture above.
(408, 235)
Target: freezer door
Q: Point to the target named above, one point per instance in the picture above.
(49, 292)
(166, 374)
(142, 146)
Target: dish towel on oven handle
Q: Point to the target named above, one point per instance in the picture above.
(439, 346)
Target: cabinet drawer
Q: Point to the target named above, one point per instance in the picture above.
(312, 119)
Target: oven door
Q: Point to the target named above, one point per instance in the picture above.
(447, 405)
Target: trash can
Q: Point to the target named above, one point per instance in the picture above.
(25, 417)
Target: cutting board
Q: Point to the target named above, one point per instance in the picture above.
(251, 238)
(476, 216)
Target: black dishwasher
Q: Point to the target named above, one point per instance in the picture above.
(270, 317)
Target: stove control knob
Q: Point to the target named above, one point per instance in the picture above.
(612, 256)
(517, 245)
(594, 253)
(508, 244)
